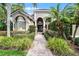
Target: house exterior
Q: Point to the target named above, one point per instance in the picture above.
(73, 29)
(21, 20)
(40, 19)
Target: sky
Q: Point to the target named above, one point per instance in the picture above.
(29, 6)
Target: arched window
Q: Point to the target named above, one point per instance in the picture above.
(20, 23)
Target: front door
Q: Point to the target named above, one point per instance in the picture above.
(40, 28)
(39, 25)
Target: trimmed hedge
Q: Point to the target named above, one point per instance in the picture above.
(2, 25)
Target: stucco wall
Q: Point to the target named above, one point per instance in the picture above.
(77, 33)
(41, 14)
(27, 20)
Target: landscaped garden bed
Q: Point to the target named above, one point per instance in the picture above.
(59, 46)
(16, 45)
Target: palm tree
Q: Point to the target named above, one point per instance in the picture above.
(7, 12)
(76, 19)
(58, 14)
(3, 12)
(18, 6)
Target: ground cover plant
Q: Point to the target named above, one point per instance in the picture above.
(15, 45)
(60, 47)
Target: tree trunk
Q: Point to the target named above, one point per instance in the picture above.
(75, 33)
(8, 5)
(64, 36)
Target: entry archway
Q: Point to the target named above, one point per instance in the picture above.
(39, 24)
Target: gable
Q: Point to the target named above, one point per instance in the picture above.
(21, 13)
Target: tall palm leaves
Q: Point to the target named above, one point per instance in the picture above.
(5, 11)
(57, 14)
(2, 11)
(18, 6)
(76, 19)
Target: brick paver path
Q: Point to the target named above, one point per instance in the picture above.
(39, 47)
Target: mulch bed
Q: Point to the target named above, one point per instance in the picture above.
(8, 48)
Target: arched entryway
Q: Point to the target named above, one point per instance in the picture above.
(39, 24)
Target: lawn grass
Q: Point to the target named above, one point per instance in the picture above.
(12, 53)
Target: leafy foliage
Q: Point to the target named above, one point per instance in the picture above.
(31, 28)
(20, 43)
(77, 41)
(2, 25)
(2, 12)
(60, 47)
(18, 6)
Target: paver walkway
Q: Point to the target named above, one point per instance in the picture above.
(39, 47)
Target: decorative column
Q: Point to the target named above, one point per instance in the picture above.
(43, 25)
(8, 8)
(35, 23)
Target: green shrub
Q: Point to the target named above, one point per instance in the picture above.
(46, 35)
(67, 30)
(32, 28)
(31, 35)
(24, 43)
(52, 26)
(77, 41)
(19, 43)
(6, 41)
(2, 25)
(59, 46)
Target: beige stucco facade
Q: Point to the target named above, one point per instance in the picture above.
(21, 21)
(28, 20)
(73, 29)
(40, 14)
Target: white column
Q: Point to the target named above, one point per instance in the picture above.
(43, 25)
(35, 22)
(8, 8)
